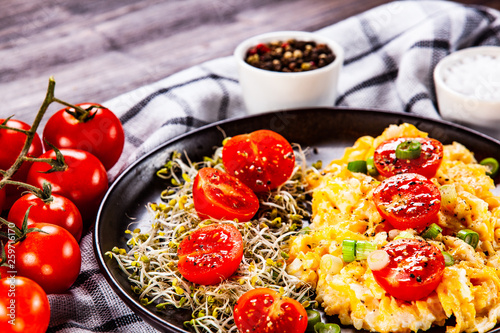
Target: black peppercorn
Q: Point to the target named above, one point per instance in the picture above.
(290, 56)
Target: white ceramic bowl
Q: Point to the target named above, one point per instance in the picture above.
(265, 90)
(468, 87)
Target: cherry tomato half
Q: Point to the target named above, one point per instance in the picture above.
(24, 306)
(426, 164)
(263, 310)
(51, 258)
(408, 200)
(101, 134)
(210, 254)
(59, 210)
(84, 182)
(415, 269)
(218, 195)
(12, 142)
(263, 159)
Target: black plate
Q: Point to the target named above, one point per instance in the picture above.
(329, 130)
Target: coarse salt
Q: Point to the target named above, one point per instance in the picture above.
(475, 75)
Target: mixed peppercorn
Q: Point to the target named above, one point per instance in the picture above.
(290, 56)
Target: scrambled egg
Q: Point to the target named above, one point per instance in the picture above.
(343, 208)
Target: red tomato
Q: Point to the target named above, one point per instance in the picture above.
(51, 258)
(408, 200)
(60, 211)
(4, 271)
(263, 310)
(415, 269)
(210, 254)
(263, 159)
(102, 134)
(24, 306)
(219, 195)
(84, 182)
(426, 164)
(2, 199)
(12, 142)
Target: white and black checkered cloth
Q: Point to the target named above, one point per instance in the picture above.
(390, 54)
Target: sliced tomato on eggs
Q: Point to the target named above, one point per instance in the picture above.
(426, 163)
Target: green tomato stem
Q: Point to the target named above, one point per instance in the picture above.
(49, 98)
(17, 232)
(2, 126)
(44, 194)
(80, 113)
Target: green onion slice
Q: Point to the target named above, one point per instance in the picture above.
(408, 150)
(357, 166)
(363, 249)
(305, 231)
(326, 328)
(491, 165)
(313, 317)
(448, 194)
(432, 231)
(370, 167)
(348, 250)
(469, 236)
(378, 259)
(356, 250)
(404, 234)
(448, 259)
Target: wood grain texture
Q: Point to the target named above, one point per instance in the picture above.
(98, 49)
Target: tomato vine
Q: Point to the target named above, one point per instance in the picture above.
(57, 164)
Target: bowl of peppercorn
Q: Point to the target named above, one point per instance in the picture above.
(288, 69)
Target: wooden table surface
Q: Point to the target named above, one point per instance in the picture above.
(98, 49)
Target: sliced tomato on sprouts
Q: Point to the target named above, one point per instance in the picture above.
(210, 254)
(218, 195)
(414, 269)
(263, 310)
(263, 159)
(408, 201)
(425, 163)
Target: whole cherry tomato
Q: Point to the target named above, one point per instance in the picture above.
(100, 133)
(414, 270)
(4, 271)
(263, 310)
(84, 182)
(51, 258)
(24, 306)
(57, 210)
(426, 163)
(263, 159)
(210, 254)
(408, 200)
(216, 194)
(2, 198)
(12, 143)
